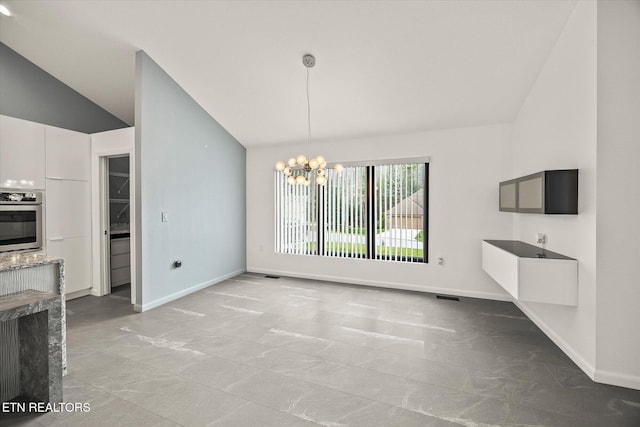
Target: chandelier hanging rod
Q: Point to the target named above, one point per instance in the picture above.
(299, 169)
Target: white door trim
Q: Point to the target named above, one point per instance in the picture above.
(105, 244)
(101, 286)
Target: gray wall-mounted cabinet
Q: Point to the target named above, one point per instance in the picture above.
(546, 192)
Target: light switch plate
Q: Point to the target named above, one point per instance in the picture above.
(165, 216)
(541, 238)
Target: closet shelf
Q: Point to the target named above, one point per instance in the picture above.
(120, 174)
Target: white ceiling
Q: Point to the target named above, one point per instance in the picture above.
(383, 67)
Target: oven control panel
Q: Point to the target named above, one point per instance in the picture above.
(16, 197)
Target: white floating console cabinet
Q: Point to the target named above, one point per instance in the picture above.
(530, 273)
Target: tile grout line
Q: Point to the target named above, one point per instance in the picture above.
(309, 381)
(341, 364)
(397, 376)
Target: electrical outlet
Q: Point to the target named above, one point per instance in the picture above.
(541, 238)
(440, 261)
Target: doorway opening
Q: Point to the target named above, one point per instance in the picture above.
(116, 226)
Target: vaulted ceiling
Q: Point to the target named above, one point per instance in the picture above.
(383, 67)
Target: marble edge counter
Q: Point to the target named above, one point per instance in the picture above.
(15, 261)
(38, 347)
(11, 261)
(19, 260)
(31, 300)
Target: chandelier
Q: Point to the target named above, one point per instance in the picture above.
(300, 170)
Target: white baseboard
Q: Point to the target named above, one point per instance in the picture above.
(618, 379)
(78, 294)
(391, 285)
(577, 358)
(160, 301)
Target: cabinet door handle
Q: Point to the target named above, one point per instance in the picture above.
(56, 239)
(57, 178)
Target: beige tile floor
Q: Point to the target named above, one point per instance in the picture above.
(253, 351)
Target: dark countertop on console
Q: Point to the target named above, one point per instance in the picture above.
(525, 250)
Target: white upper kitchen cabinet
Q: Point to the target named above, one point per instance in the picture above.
(22, 154)
(68, 154)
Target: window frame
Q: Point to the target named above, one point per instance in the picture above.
(370, 209)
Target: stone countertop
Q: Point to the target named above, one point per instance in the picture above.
(19, 260)
(38, 348)
(16, 277)
(24, 303)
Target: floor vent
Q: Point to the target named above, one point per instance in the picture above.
(272, 277)
(447, 297)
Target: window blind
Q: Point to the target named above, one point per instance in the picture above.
(368, 212)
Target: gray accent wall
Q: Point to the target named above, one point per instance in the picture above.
(190, 167)
(28, 92)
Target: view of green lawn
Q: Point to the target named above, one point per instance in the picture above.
(361, 248)
(362, 230)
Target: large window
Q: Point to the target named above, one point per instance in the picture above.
(372, 212)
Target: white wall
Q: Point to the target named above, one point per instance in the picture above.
(466, 166)
(556, 129)
(110, 143)
(618, 223)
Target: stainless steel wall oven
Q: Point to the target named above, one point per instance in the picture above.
(20, 220)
